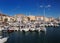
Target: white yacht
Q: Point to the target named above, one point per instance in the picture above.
(1, 28)
(3, 40)
(24, 29)
(6, 27)
(43, 29)
(51, 24)
(32, 29)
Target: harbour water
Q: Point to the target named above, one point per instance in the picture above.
(52, 35)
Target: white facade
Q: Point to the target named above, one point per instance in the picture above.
(19, 17)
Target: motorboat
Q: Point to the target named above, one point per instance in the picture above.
(43, 29)
(3, 40)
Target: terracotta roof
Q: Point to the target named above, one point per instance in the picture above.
(3, 14)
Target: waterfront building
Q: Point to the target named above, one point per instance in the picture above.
(58, 18)
(6, 18)
(25, 19)
(46, 19)
(3, 18)
(42, 18)
(20, 17)
(32, 18)
(12, 19)
(51, 19)
(39, 18)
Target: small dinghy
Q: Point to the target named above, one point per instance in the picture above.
(3, 40)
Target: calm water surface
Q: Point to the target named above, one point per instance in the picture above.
(52, 35)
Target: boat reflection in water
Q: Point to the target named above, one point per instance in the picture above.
(52, 36)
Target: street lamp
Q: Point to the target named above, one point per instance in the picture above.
(44, 8)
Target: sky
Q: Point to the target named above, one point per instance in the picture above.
(30, 7)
